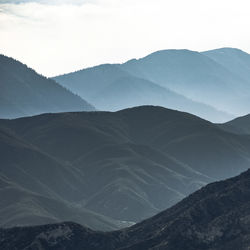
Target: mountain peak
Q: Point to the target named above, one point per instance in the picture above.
(226, 51)
(169, 52)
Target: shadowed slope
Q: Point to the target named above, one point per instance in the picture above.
(213, 218)
(36, 188)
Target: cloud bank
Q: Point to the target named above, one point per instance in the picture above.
(59, 36)
(58, 2)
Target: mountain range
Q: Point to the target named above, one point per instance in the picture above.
(120, 150)
(25, 93)
(214, 84)
(214, 218)
(122, 166)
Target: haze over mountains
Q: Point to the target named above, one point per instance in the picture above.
(110, 170)
(207, 84)
(213, 218)
(214, 85)
(111, 88)
(25, 93)
(121, 167)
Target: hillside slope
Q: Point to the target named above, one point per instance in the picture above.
(36, 188)
(240, 125)
(213, 218)
(235, 60)
(25, 93)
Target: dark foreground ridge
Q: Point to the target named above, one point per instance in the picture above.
(215, 217)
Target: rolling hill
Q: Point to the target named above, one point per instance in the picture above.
(145, 159)
(26, 93)
(214, 218)
(36, 188)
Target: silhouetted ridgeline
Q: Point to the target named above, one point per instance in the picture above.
(25, 93)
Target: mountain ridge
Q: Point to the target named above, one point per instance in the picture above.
(144, 158)
(25, 93)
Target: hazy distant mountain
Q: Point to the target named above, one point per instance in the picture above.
(111, 88)
(238, 62)
(213, 218)
(24, 92)
(196, 76)
(88, 82)
(235, 60)
(218, 78)
(131, 91)
(126, 165)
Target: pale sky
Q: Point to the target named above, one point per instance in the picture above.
(60, 36)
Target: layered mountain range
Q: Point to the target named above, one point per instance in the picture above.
(113, 169)
(110, 169)
(214, 84)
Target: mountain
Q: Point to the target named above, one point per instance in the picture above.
(25, 93)
(26, 208)
(238, 62)
(235, 60)
(36, 188)
(126, 165)
(132, 91)
(214, 218)
(109, 87)
(196, 76)
(218, 79)
(240, 125)
(88, 82)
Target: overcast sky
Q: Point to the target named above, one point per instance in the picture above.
(59, 36)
